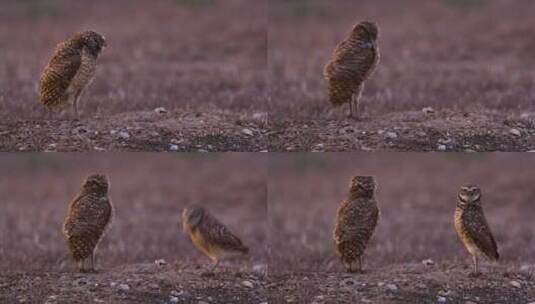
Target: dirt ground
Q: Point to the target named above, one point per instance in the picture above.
(149, 193)
(468, 61)
(182, 55)
(417, 196)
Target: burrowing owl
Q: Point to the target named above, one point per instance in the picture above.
(472, 227)
(70, 70)
(356, 220)
(352, 62)
(209, 235)
(89, 215)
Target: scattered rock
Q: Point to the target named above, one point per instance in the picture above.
(428, 110)
(391, 135)
(123, 135)
(391, 287)
(441, 147)
(441, 300)
(515, 132)
(173, 299)
(175, 293)
(160, 110)
(247, 284)
(247, 132)
(428, 262)
(173, 147)
(124, 287)
(515, 284)
(160, 262)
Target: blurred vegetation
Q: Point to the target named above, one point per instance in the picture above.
(195, 3)
(465, 3)
(297, 8)
(34, 9)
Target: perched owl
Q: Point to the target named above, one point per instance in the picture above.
(472, 227)
(89, 215)
(70, 70)
(352, 62)
(209, 235)
(356, 220)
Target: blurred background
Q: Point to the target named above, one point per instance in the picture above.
(148, 191)
(165, 53)
(416, 194)
(455, 54)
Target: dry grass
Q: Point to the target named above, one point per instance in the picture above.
(148, 191)
(417, 197)
(176, 54)
(450, 54)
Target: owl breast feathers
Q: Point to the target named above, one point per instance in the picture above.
(71, 69)
(474, 231)
(355, 223)
(352, 62)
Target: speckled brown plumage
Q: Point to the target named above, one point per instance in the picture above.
(209, 235)
(352, 62)
(356, 220)
(88, 217)
(70, 70)
(472, 227)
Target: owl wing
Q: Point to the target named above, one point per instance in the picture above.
(355, 61)
(216, 233)
(355, 220)
(87, 216)
(58, 74)
(477, 227)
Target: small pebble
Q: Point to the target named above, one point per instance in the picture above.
(391, 287)
(160, 110)
(247, 284)
(247, 132)
(515, 284)
(391, 135)
(173, 147)
(124, 287)
(173, 299)
(515, 132)
(160, 262)
(441, 300)
(441, 148)
(428, 262)
(428, 110)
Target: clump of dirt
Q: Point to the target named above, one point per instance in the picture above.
(174, 131)
(407, 283)
(137, 283)
(446, 131)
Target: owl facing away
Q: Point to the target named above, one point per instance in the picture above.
(71, 70)
(472, 227)
(88, 217)
(351, 64)
(356, 220)
(209, 235)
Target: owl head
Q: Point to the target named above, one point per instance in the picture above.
(362, 186)
(192, 216)
(368, 29)
(469, 195)
(93, 41)
(96, 183)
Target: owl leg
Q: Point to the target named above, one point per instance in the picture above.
(215, 265)
(75, 103)
(475, 261)
(92, 261)
(351, 106)
(356, 100)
